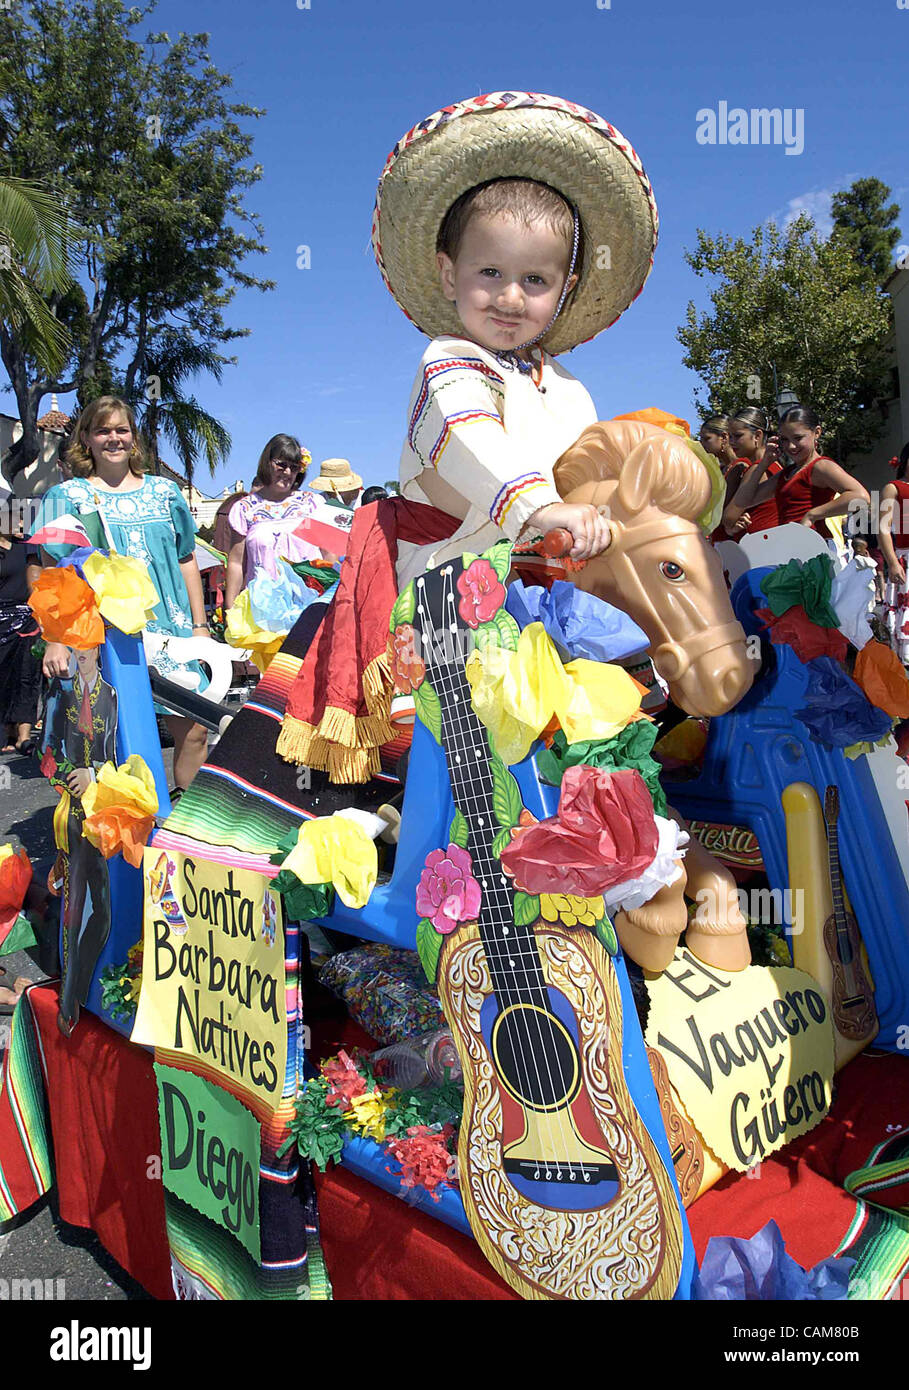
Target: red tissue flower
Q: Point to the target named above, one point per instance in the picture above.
(447, 892)
(483, 593)
(48, 763)
(604, 833)
(424, 1157)
(15, 877)
(343, 1079)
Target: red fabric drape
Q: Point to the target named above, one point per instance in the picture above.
(103, 1109)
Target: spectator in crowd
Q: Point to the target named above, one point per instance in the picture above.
(262, 524)
(20, 671)
(373, 494)
(339, 482)
(145, 517)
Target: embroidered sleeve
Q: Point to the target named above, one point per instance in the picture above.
(184, 526)
(456, 428)
(238, 517)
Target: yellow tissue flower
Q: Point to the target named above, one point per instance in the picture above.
(126, 595)
(366, 1114)
(571, 911)
(336, 850)
(242, 630)
(516, 693)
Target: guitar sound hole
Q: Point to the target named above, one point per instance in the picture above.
(535, 1057)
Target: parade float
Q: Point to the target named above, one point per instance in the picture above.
(625, 1085)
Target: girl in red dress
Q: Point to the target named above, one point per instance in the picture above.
(748, 434)
(714, 437)
(811, 488)
(893, 535)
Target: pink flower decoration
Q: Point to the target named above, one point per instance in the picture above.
(447, 892)
(483, 593)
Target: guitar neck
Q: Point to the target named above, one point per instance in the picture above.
(836, 882)
(511, 950)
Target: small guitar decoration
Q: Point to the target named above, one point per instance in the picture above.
(853, 997)
(564, 1188)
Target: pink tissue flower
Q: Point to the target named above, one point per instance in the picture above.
(447, 892)
(483, 593)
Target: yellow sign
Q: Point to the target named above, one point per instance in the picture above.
(749, 1054)
(213, 998)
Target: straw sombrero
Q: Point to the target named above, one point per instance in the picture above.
(336, 475)
(517, 135)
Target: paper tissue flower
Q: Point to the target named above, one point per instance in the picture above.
(604, 833)
(482, 593)
(242, 630)
(447, 892)
(15, 876)
(66, 609)
(335, 849)
(120, 809)
(125, 594)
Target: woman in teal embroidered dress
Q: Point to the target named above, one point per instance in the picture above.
(143, 516)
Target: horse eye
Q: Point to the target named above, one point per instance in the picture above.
(670, 570)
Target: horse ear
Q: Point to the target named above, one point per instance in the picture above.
(639, 475)
(597, 455)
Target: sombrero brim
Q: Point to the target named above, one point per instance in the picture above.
(517, 135)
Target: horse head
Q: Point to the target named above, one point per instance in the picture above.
(659, 567)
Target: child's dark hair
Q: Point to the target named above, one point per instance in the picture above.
(526, 200)
(903, 463)
(754, 417)
(373, 494)
(800, 415)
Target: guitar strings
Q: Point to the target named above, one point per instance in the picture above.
(454, 685)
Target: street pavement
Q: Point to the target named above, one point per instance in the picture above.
(38, 1245)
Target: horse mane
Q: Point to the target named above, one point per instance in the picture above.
(649, 464)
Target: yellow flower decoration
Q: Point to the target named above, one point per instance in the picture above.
(570, 910)
(242, 630)
(366, 1114)
(336, 849)
(126, 596)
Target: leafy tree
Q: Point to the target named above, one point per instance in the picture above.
(163, 408)
(36, 259)
(864, 225)
(140, 141)
(792, 301)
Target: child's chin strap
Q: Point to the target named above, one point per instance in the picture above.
(511, 358)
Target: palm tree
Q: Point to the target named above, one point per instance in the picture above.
(163, 408)
(37, 261)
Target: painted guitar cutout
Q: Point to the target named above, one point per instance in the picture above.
(563, 1186)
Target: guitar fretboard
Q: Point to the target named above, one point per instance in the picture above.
(511, 950)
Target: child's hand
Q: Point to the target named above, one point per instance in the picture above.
(56, 659)
(79, 780)
(590, 530)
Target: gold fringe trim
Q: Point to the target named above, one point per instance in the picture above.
(338, 726)
(344, 746)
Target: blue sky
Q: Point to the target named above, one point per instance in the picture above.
(331, 358)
